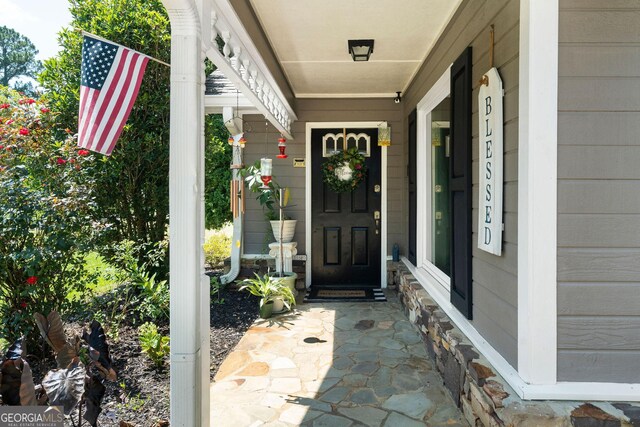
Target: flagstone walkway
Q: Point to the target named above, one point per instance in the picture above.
(332, 364)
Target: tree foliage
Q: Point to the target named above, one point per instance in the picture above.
(17, 56)
(217, 159)
(131, 188)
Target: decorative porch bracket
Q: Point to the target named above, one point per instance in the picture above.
(240, 61)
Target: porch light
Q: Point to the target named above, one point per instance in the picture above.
(361, 50)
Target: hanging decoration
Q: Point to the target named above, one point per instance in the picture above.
(236, 189)
(239, 138)
(384, 135)
(266, 169)
(266, 164)
(344, 171)
(282, 146)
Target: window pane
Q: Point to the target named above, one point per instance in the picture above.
(441, 209)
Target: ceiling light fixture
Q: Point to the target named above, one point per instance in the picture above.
(398, 98)
(361, 50)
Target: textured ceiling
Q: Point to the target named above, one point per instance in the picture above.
(310, 37)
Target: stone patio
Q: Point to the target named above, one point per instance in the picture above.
(332, 364)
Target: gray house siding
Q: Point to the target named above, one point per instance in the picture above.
(324, 110)
(494, 278)
(599, 191)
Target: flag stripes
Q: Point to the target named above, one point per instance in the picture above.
(111, 78)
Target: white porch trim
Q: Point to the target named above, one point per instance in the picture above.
(434, 96)
(189, 299)
(383, 202)
(241, 62)
(537, 192)
(214, 104)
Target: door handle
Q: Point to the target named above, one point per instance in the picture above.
(376, 216)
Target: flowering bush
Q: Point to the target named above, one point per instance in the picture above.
(43, 214)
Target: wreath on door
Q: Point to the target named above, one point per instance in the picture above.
(344, 171)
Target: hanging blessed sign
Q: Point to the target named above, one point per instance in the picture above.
(491, 158)
(345, 170)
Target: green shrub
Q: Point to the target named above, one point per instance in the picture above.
(153, 296)
(216, 288)
(156, 346)
(217, 248)
(44, 215)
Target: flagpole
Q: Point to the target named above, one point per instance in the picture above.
(86, 33)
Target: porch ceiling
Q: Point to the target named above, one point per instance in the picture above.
(309, 37)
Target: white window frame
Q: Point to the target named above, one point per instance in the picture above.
(424, 238)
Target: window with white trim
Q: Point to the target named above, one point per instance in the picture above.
(433, 193)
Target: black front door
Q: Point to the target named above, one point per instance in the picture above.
(345, 227)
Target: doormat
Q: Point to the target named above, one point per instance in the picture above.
(338, 295)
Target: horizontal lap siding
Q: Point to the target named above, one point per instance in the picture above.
(324, 110)
(599, 191)
(494, 278)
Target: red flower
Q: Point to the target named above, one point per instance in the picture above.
(32, 280)
(9, 121)
(72, 160)
(61, 161)
(358, 166)
(1, 147)
(3, 106)
(330, 167)
(83, 152)
(23, 304)
(24, 131)
(45, 110)
(26, 101)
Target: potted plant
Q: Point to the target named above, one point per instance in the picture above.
(271, 199)
(274, 295)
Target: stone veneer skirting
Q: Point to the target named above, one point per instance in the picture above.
(484, 397)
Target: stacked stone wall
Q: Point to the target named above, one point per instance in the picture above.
(484, 397)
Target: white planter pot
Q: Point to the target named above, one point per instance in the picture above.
(288, 231)
(278, 305)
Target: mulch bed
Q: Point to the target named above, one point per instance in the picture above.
(140, 396)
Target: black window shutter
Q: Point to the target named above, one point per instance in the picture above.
(460, 184)
(411, 172)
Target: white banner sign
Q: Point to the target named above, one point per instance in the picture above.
(491, 156)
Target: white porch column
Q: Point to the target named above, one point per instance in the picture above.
(537, 191)
(189, 285)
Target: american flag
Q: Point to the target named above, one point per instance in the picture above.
(111, 77)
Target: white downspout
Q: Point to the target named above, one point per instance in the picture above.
(189, 310)
(235, 127)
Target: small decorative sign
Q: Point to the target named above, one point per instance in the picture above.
(490, 107)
